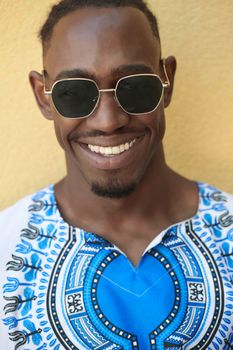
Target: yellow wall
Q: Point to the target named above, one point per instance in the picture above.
(200, 121)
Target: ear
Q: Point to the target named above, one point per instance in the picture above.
(37, 83)
(171, 71)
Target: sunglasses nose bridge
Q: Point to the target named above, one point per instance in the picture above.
(110, 90)
(106, 90)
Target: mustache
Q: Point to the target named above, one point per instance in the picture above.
(99, 133)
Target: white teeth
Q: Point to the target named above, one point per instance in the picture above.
(112, 150)
(122, 148)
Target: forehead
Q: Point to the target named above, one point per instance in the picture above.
(99, 40)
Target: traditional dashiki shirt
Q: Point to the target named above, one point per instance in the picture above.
(64, 288)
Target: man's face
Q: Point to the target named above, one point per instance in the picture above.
(106, 45)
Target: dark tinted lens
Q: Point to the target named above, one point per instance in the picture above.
(75, 98)
(139, 94)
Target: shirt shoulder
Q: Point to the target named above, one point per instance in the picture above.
(216, 215)
(15, 212)
(14, 218)
(212, 195)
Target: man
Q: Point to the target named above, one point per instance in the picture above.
(123, 253)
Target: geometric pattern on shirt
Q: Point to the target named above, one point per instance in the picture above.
(55, 263)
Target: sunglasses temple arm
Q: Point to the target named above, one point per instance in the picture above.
(167, 81)
(46, 92)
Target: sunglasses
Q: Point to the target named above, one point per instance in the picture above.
(136, 94)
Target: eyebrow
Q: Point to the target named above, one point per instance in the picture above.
(74, 73)
(133, 69)
(126, 69)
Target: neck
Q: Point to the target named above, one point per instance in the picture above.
(154, 199)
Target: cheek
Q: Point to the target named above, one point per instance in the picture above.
(63, 128)
(157, 124)
(59, 135)
(161, 126)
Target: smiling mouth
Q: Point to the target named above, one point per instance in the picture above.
(112, 151)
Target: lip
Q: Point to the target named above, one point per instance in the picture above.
(109, 141)
(111, 162)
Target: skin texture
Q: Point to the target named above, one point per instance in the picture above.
(107, 44)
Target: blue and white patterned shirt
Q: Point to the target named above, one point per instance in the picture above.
(66, 289)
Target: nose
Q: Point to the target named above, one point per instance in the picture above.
(108, 115)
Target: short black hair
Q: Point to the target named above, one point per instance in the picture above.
(64, 7)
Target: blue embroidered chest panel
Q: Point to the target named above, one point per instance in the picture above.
(70, 289)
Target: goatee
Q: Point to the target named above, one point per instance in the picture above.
(113, 189)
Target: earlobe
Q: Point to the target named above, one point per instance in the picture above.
(171, 70)
(37, 84)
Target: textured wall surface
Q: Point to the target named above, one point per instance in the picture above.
(199, 139)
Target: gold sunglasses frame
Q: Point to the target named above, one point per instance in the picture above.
(164, 85)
